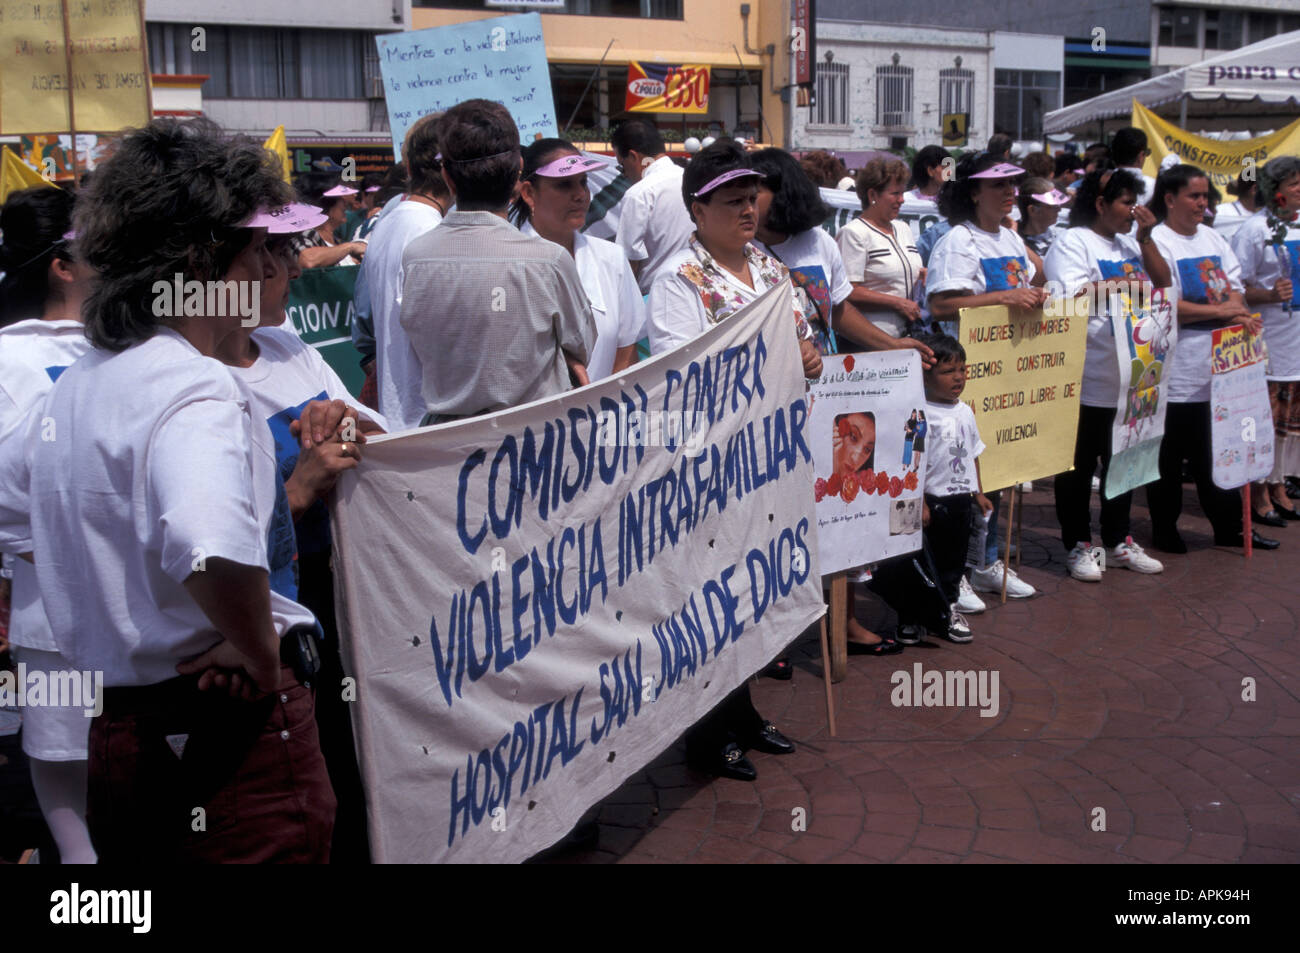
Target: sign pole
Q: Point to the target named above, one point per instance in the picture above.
(1006, 563)
(839, 610)
(1246, 513)
(72, 121)
(826, 680)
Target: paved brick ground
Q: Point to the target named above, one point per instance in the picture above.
(1125, 696)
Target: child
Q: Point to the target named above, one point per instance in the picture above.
(951, 477)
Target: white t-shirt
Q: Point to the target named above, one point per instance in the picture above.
(1148, 184)
(287, 375)
(1263, 265)
(155, 467)
(816, 271)
(1080, 257)
(975, 261)
(32, 356)
(952, 442)
(1205, 271)
(653, 224)
(884, 264)
(398, 373)
(917, 197)
(616, 303)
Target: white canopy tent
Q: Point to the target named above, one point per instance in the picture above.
(1267, 72)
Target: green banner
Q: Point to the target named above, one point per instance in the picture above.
(320, 308)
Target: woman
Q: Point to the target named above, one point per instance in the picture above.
(553, 203)
(41, 334)
(1206, 277)
(717, 274)
(158, 519)
(1040, 207)
(880, 253)
(1267, 246)
(291, 384)
(324, 245)
(790, 213)
(982, 262)
(927, 175)
(1246, 198)
(1093, 255)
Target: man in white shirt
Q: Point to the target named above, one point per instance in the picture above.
(653, 224)
(1129, 150)
(397, 369)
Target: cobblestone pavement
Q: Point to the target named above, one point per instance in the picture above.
(1124, 695)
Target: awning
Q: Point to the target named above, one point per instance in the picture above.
(1267, 72)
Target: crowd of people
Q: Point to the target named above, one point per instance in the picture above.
(164, 473)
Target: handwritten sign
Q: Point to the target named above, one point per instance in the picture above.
(502, 59)
(1241, 419)
(1023, 370)
(1145, 336)
(537, 602)
(109, 83)
(866, 429)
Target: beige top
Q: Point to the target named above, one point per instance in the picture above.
(889, 264)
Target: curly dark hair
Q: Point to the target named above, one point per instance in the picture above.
(33, 222)
(796, 202)
(1084, 210)
(1170, 182)
(956, 199)
(537, 154)
(823, 168)
(710, 162)
(171, 199)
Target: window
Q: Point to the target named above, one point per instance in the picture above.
(632, 9)
(893, 95)
(832, 105)
(1178, 27)
(1020, 100)
(1223, 29)
(956, 91)
(267, 63)
(1262, 26)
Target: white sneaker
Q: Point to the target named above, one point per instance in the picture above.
(958, 627)
(967, 601)
(1086, 562)
(1096, 484)
(1132, 556)
(989, 579)
(1027, 487)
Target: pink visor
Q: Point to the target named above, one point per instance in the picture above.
(1003, 170)
(287, 219)
(568, 165)
(1054, 197)
(725, 178)
(372, 188)
(69, 236)
(339, 190)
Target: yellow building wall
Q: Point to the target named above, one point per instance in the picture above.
(706, 34)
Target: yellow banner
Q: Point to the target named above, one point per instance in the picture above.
(277, 144)
(15, 174)
(1023, 371)
(110, 78)
(1222, 161)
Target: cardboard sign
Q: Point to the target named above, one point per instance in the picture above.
(502, 59)
(1241, 418)
(1144, 341)
(321, 311)
(1023, 370)
(866, 428)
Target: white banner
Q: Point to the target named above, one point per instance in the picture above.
(867, 429)
(1241, 418)
(537, 602)
(1144, 342)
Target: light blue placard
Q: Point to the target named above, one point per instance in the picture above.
(501, 58)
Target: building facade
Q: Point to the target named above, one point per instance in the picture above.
(1183, 33)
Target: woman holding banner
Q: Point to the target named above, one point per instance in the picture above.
(981, 262)
(1094, 256)
(553, 202)
(1267, 246)
(717, 274)
(1206, 276)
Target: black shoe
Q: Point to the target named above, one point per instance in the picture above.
(1270, 518)
(781, 670)
(1169, 542)
(727, 762)
(908, 634)
(883, 647)
(1256, 541)
(1293, 488)
(770, 740)
(1286, 514)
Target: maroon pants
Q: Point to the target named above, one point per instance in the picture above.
(249, 784)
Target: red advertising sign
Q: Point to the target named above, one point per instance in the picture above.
(665, 88)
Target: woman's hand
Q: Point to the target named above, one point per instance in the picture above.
(1024, 298)
(907, 309)
(316, 472)
(1251, 322)
(927, 355)
(984, 503)
(322, 420)
(1146, 220)
(357, 250)
(925, 513)
(1282, 290)
(812, 361)
(229, 670)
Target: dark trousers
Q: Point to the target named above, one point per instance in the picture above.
(1074, 487)
(334, 715)
(248, 786)
(948, 537)
(1187, 437)
(733, 719)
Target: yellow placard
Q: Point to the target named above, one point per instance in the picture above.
(954, 130)
(1023, 371)
(15, 174)
(1223, 162)
(109, 87)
